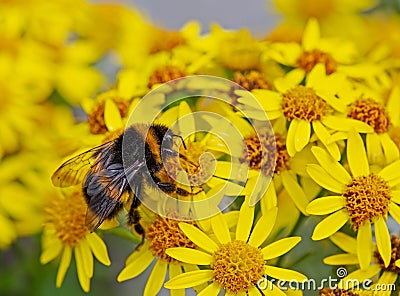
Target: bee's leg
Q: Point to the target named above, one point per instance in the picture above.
(170, 188)
(134, 215)
(166, 187)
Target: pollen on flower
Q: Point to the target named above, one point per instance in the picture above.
(251, 80)
(199, 169)
(275, 157)
(395, 243)
(309, 59)
(370, 112)
(336, 292)
(237, 266)
(165, 74)
(303, 103)
(165, 233)
(367, 198)
(96, 117)
(166, 40)
(67, 216)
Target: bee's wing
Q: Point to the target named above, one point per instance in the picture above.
(105, 189)
(73, 171)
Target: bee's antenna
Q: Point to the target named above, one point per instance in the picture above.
(183, 142)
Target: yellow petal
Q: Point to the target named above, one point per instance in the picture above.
(174, 270)
(319, 175)
(87, 257)
(387, 278)
(189, 279)
(341, 259)
(346, 124)
(64, 264)
(199, 237)
(290, 138)
(290, 80)
(311, 35)
(326, 205)
(356, 155)
(393, 105)
(324, 136)
(98, 248)
(391, 173)
(383, 240)
(284, 274)
(231, 218)
(294, 190)
(302, 136)
(390, 149)
(397, 263)
(245, 222)
(395, 196)
(253, 292)
(262, 228)
(394, 211)
(136, 266)
(280, 247)
(345, 242)
(268, 220)
(269, 199)
(112, 117)
(84, 279)
(138, 252)
(364, 245)
(191, 256)
(211, 290)
(220, 228)
(156, 278)
(374, 148)
(268, 99)
(360, 275)
(334, 168)
(50, 251)
(330, 225)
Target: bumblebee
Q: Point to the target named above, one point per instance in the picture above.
(119, 168)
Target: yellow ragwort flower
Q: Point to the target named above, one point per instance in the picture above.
(387, 275)
(233, 264)
(313, 50)
(65, 231)
(311, 109)
(161, 234)
(364, 198)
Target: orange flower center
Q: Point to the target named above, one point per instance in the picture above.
(303, 103)
(251, 80)
(372, 113)
(269, 143)
(68, 216)
(166, 40)
(395, 242)
(96, 117)
(309, 59)
(165, 233)
(367, 197)
(237, 266)
(165, 74)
